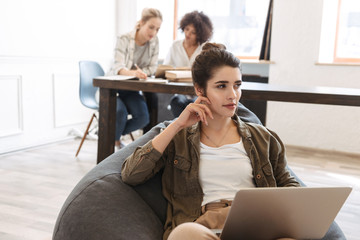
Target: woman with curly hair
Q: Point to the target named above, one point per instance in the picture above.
(198, 29)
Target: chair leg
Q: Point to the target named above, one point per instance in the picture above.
(132, 137)
(85, 133)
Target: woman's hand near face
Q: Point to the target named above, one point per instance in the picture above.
(195, 112)
(192, 114)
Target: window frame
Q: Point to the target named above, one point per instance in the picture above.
(176, 20)
(337, 59)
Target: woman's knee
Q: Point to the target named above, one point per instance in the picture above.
(121, 109)
(192, 230)
(141, 120)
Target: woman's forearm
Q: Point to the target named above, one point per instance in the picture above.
(161, 141)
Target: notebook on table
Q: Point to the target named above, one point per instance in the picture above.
(271, 213)
(161, 70)
(125, 77)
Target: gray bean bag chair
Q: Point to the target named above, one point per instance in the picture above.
(102, 207)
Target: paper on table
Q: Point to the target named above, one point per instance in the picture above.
(125, 77)
(154, 80)
(119, 77)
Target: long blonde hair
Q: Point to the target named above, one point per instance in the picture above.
(148, 13)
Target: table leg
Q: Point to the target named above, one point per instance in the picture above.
(152, 104)
(107, 119)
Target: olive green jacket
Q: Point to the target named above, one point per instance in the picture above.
(180, 164)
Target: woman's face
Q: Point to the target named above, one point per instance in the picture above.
(150, 28)
(190, 34)
(224, 92)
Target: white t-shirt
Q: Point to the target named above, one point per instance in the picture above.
(223, 171)
(177, 56)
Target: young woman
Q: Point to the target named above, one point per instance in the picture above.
(197, 28)
(136, 54)
(208, 153)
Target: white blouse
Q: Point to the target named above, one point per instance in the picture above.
(177, 56)
(223, 171)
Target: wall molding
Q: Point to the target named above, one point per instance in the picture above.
(20, 114)
(13, 59)
(77, 114)
(36, 145)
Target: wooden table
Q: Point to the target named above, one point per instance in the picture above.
(250, 90)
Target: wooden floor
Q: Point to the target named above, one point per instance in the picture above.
(35, 183)
(319, 168)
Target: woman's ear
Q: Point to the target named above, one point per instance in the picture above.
(199, 91)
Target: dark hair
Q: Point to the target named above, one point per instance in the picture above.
(202, 25)
(212, 57)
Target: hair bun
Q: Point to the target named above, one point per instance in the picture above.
(209, 46)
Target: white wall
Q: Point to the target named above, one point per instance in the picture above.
(295, 50)
(40, 45)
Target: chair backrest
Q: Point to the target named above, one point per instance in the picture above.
(89, 70)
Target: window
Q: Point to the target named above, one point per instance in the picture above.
(239, 24)
(347, 42)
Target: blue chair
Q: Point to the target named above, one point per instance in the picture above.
(88, 70)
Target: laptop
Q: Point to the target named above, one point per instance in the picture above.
(271, 213)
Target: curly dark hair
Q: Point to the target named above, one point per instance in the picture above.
(212, 57)
(202, 25)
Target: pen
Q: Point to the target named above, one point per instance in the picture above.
(137, 67)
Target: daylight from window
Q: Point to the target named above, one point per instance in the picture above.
(348, 36)
(239, 24)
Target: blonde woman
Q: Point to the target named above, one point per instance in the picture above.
(136, 54)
